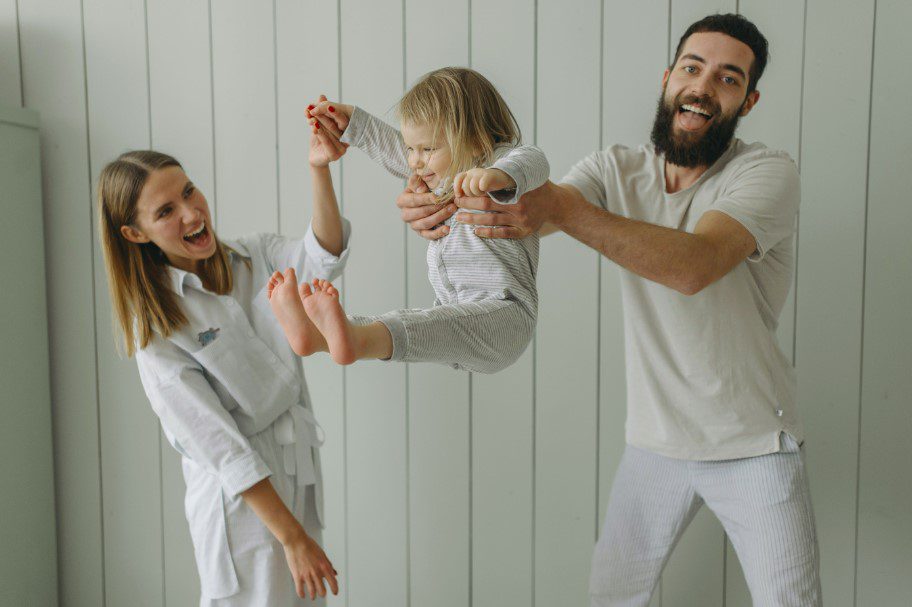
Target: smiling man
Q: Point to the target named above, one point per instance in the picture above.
(704, 225)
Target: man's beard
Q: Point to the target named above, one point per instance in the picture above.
(682, 149)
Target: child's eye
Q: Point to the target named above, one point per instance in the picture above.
(189, 191)
(164, 212)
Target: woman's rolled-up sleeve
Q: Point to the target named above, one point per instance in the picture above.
(193, 418)
(306, 255)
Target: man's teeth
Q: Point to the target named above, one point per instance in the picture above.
(696, 110)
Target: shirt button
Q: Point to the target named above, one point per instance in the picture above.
(778, 412)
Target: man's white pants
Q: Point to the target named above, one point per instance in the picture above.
(762, 502)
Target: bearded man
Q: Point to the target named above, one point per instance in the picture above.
(704, 225)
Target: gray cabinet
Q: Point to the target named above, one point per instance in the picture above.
(28, 545)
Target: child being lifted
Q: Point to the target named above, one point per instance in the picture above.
(460, 138)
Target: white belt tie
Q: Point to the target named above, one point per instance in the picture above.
(297, 431)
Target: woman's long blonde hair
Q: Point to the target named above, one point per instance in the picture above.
(467, 110)
(138, 282)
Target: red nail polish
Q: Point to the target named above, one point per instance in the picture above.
(310, 107)
(316, 125)
(332, 109)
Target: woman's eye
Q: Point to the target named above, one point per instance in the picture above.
(164, 212)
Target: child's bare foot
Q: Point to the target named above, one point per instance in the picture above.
(303, 336)
(325, 311)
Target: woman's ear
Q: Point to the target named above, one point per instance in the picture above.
(133, 235)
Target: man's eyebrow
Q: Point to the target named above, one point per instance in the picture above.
(728, 66)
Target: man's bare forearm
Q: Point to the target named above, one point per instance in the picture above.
(676, 259)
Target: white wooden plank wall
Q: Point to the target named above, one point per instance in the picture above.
(443, 488)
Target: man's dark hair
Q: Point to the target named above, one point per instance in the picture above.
(740, 29)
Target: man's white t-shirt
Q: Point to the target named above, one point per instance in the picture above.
(706, 378)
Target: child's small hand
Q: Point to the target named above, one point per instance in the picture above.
(478, 182)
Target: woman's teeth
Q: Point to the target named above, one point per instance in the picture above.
(195, 235)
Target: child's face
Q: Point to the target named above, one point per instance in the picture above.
(428, 153)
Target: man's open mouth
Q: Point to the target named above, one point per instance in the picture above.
(693, 116)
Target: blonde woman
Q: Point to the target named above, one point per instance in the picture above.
(458, 137)
(220, 375)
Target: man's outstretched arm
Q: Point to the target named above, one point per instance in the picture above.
(686, 262)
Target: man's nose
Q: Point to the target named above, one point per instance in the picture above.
(702, 86)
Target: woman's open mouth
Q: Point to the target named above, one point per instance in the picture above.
(201, 237)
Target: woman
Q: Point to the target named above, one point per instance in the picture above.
(221, 377)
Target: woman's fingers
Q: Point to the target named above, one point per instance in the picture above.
(327, 124)
(311, 588)
(319, 587)
(299, 586)
(330, 576)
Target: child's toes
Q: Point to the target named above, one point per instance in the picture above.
(304, 290)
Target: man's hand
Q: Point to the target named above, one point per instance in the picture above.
(478, 182)
(510, 220)
(420, 210)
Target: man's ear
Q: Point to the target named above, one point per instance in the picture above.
(749, 103)
(665, 78)
(133, 235)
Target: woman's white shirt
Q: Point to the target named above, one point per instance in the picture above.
(230, 392)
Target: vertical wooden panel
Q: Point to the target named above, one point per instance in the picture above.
(118, 116)
(181, 125)
(631, 86)
(884, 559)
(776, 122)
(439, 414)
(54, 84)
(830, 267)
(503, 404)
(10, 77)
(375, 282)
(243, 89)
(307, 43)
(566, 372)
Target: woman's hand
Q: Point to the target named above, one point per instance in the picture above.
(419, 209)
(325, 146)
(332, 116)
(309, 567)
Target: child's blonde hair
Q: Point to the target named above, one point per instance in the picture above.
(467, 110)
(141, 295)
